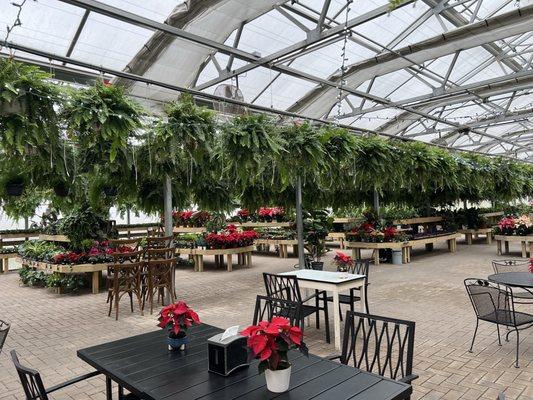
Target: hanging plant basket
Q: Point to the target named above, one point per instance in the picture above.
(14, 189)
(61, 189)
(110, 191)
(15, 107)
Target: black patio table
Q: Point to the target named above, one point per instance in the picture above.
(143, 365)
(513, 279)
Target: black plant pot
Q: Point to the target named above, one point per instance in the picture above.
(14, 189)
(317, 265)
(61, 190)
(110, 191)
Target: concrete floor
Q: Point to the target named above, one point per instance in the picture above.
(47, 329)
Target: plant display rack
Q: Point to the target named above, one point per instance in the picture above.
(54, 238)
(244, 256)
(272, 224)
(13, 239)
(282, 244)
(471, 234)
(188, 229)
(405, 247)
(525, 242)
(94, 269)
(337, 237)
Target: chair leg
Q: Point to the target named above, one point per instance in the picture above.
(326, 317)
(517, 348)
(110, 301)
(120, 392)
(499, 338)
(131, 300)
(340, 312)
(317, 316)
(474, 338)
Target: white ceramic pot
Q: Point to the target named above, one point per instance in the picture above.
(278, 381)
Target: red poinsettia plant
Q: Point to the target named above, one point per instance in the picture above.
(177, 318)
(342, 261)
(231, 238)
(531, 265)
(271, 341)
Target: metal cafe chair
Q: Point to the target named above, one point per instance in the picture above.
(359, 267)
(4, 330)
(502, 266)
(495, 304)
(380, 345)
(32, 383)
(286, 288)
(268, 307)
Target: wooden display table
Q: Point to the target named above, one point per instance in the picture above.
(244, 256)
(94, 269)
(337, 237)
(283, 245)
(428, 242)
(6, 240)
(376, 247)
(470, 233)
(524, 241)
(4, 261)
(272, 224)
(187, 229)
(54, 238)
(347, 220)
(418, 220)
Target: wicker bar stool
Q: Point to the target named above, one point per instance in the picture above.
(126, 273)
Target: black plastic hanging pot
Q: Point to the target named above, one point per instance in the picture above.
(110, 191)
(14, 189)
(61, 190)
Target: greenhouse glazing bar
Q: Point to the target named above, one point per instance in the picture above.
(212, 97)
(141, 21)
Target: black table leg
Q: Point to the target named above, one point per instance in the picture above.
(120, 392)
(108, 393)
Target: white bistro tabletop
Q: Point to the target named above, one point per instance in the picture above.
(323, 276)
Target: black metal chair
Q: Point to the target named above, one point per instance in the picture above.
(268, 307)
(495, 304)
(524, 296)
(4, 330)
(359, 267)
(33, 385)
(380, 345)
(285, 287)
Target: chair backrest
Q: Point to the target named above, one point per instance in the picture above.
(158, 242)
(379, 344)
(4, 330)
(116, 243)
(30, 379)
(360, 267)
(128, 257)
(268, 307)
(160, 254)
(510, 266)
(488, 298)
(283, 287)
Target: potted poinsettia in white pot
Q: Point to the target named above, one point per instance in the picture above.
(270, 342)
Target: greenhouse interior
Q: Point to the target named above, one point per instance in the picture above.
(266, 199)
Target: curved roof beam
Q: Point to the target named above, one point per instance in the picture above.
(318, 101)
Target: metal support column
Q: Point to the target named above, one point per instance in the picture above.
(376, 202)
(167, 207)
(300, 224)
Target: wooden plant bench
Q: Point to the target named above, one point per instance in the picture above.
(525, 242)
(94, 269)
(337, 237)
(244, 255)
(474, 233)
(429, 242)
(375, 247)
(12, 239)
(283, 245)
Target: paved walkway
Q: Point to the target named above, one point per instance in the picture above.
(48, 329)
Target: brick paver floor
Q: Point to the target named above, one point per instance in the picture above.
(47, 329)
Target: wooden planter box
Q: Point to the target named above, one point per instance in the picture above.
(474, 233)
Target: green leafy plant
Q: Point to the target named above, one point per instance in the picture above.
(83, 223)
